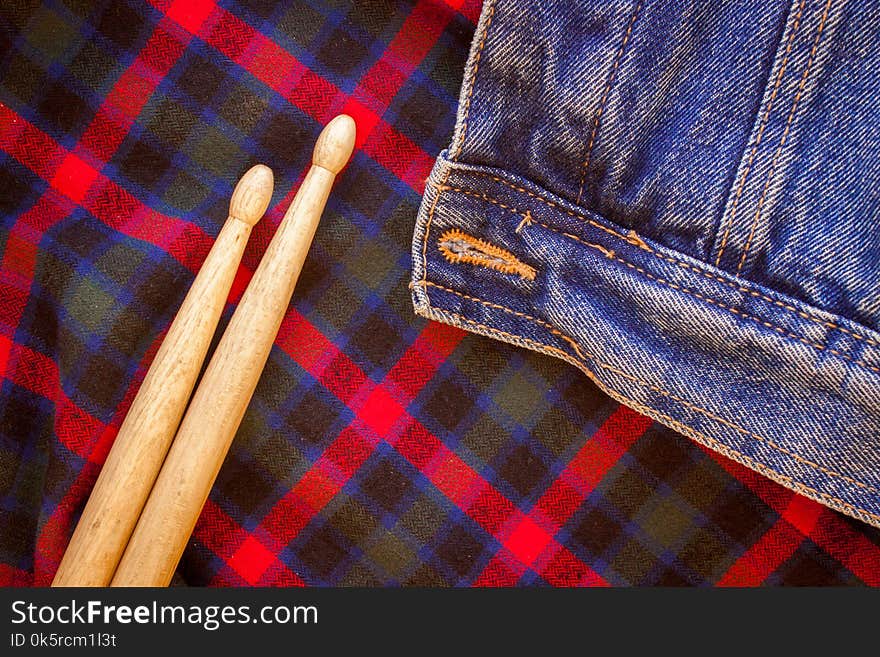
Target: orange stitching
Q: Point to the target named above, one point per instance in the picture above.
(526, 221)
(482, 254)
(546, 325)
(739, 313)
(605, 93)
(666, 393)
(764, 120)
(467, 104)
(632, 238)
(516, 339)
(782, 139)
(439, 189)
(480, 195)
(662, 281)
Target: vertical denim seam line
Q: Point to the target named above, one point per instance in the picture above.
(764, 120)
(612, 74)
(583, 365)
(782, 139)
(710, 300)
(473, 82)
(634, 240)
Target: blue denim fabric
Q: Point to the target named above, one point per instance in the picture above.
(682, 200)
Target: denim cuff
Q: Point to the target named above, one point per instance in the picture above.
(680, 203)
(781, 387)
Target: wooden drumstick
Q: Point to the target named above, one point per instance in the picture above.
(140, 447)
(226, 388)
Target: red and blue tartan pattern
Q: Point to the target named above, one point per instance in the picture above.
(379, 449)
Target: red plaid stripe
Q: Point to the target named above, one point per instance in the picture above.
(800, 519)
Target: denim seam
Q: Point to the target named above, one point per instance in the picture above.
(611, 255)
(467, 104)
(555, 331)
(633, 239)
(439, 192)
(676, 424)
(778, 329)
(760, 209)
(612, 74)
(764, 120)
(584, 355)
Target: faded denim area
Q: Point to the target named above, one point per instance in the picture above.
(681, 199)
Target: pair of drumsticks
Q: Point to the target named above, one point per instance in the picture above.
(158, 475)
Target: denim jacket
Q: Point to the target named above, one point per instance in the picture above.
(682, 200)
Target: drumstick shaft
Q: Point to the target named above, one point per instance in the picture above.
(221, 399)
(134, 460)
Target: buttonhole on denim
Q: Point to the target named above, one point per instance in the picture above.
(458, 247)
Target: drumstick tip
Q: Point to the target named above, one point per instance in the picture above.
(335, 144)
(252, 194)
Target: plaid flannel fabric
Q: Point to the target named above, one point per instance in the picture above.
(379, 449)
